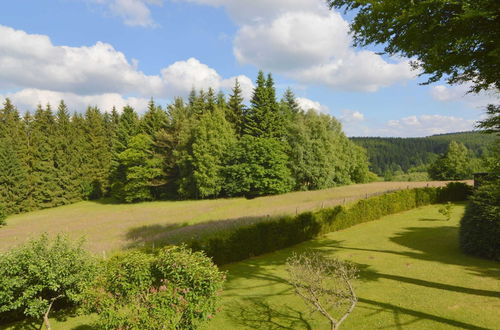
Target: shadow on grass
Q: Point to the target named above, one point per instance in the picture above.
(431, 219)
(397, 311)
(161, 235)
(33, 324)
(258, 314)
(436, 244)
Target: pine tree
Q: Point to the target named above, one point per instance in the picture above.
(236, 109)
(98, 158)
(289, 105)
(13, 169)
(263, 119)
(44, 180)
(154, 120)
(66, 159)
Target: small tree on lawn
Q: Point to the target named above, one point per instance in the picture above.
(446, 210)
(324, 284)
(35, 275)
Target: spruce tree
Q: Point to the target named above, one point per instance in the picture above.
(154, 120)
(236, 108)
(44, 180)
(97, 155)
(66, 159)
(13, 166)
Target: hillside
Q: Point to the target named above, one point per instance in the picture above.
(392, 154)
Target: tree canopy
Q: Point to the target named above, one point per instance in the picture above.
(458, 40)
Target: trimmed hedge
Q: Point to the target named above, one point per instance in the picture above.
(278, 233)
(480, 225)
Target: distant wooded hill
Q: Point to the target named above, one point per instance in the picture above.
(396, 154)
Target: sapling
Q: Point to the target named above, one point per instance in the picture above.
(446, 210)
(324, 284)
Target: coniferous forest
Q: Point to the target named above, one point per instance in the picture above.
(210, 145)
(390, 154)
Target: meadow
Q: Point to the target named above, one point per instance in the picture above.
(413, 276)
(108, 226)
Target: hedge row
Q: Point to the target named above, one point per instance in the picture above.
(480, 226)
(278, 233)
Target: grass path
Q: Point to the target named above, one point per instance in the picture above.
(109, 227)
(413, 277)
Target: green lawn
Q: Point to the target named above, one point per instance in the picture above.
(413, 277)
(109, 227)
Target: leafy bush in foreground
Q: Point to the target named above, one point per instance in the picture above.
(174, 289)
(41, 272)
(480, 226)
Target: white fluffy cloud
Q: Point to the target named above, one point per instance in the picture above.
(31, 60)
(304, 40)
(425, 125)
(445, 93)
(307, 104)
(132, 12)
(28, 99)
(31, 63)
(351, 116)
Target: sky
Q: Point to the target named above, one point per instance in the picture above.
(119, 52)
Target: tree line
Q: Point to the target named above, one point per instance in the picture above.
(207, 146)
(392, 155)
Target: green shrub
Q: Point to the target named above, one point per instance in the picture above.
(3, 216)
(281, 232)
(480, 225)
(173, 289)
(35, 275)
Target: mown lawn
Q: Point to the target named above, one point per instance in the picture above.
(109, 226)
(413, 277)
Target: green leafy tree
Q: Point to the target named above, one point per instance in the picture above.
(456, 39)
(256, 167)
(142, 168)
(454, 165)
(212, 137)
(174, 289)
(40, 272)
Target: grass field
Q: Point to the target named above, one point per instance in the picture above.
(413, 277)
(109, 227)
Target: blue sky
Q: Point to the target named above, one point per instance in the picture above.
(117, 52)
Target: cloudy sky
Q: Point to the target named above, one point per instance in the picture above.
(118, 52)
